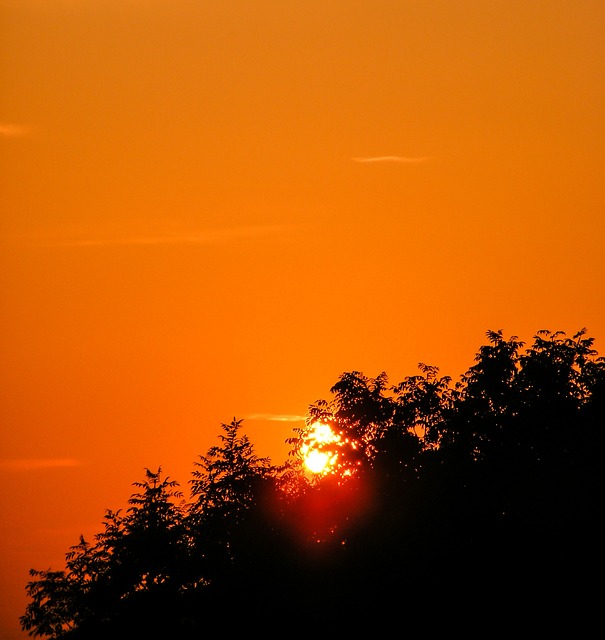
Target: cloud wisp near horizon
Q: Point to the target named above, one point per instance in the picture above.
(11, 130)
(37, 464)
(276, 417)
(390, 159)
(204, 237)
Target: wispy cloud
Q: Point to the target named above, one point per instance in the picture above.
(35, 464)
(8, 130)
(392, 159)
(205, 237)
(276, 417)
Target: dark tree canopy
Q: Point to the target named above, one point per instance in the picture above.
(449, 505)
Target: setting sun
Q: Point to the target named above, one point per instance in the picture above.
(317, 461)
(316, 457)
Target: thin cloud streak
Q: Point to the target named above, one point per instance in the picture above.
(8, 130)
(392, 159)
(276, 417)
(36, 464)
(208, 237)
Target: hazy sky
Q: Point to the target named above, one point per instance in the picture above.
(212, 209)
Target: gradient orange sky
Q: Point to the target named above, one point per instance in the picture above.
(211, 209)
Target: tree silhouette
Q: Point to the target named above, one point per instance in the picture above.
(499, 486)
(227, 486)
(125, 579)
(474, 501)
(224, 480)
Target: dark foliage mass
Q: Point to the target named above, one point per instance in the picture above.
(473, 506)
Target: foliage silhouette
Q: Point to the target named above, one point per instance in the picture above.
(133, 565)
(476, 501)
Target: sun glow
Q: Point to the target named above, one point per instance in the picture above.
(317, 454)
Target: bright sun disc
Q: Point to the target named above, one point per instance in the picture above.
(317, 460)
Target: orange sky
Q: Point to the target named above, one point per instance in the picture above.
(212, 209)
